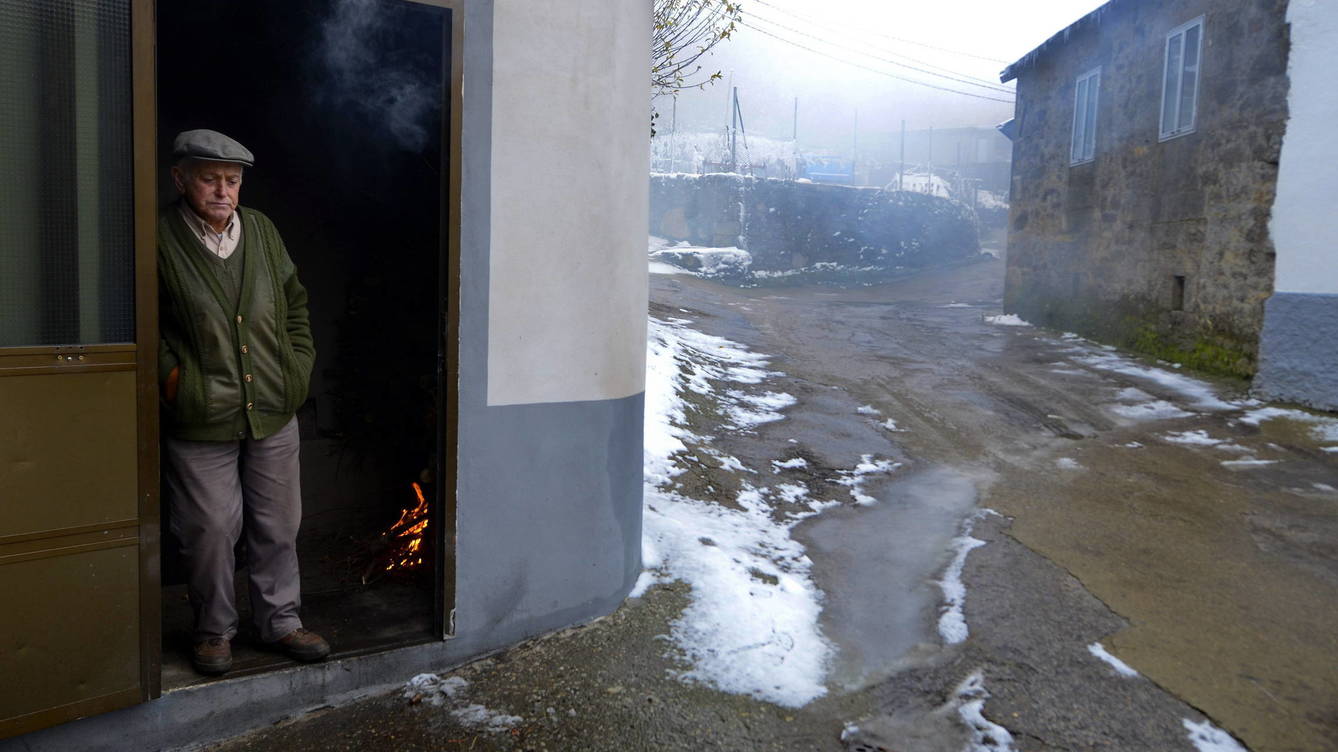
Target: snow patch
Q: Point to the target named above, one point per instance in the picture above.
(1068, 463)
(866, 410)
(1154, 410)
(1208, 738)
(1192, 438)
(789, 464)
(1121, 668)
(956, 305)
(855, 478)
(891, 425)
(1321, 428)
(450, 691)
(952, 621)
(752, 624)
(986, 735)
(1248, 462)
(1199, 393)
(1006, 319)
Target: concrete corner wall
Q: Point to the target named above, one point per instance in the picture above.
(1096, 247)
(787, 225)
(1298, 350)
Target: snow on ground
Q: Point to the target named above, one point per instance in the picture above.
(1068, 463)
(1121, 668)
(1192, 438)
(1247, 462)
(1208, 738)
(952, 621)
(891, 425)
(752, 624)
(956, 305)
(1199, 393)
(1154, 410)
(986, 735)
(855, 478)
(450, 691)
(1321, 428)
(791, 463)
(1006, 319)
(866, 410)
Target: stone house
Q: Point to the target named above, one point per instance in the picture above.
(1168, 187)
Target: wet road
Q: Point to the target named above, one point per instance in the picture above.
(1217, 582)
(1117, 523)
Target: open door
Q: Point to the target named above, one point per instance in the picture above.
(78, 393)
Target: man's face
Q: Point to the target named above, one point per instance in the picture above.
(211, 188)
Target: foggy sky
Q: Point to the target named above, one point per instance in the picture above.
(771, 73)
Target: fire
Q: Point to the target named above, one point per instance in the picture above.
(404, 539)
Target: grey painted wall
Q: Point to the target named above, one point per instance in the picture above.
(1298, 350)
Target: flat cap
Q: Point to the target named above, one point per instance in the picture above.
(212, 145)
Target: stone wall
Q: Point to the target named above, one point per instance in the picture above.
(790, 225)
(1158, 245)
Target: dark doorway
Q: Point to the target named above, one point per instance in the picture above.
(341, 102)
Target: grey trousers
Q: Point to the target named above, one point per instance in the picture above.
(211, 486)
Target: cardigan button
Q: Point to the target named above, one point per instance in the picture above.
(247, 378)
(250, 405)
(244, 350)
(239, 318)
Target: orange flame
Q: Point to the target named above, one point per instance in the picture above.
(407, 534)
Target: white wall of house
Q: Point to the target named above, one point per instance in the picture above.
(1305, 223)
(569, 200)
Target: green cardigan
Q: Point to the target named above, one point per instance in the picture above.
(245, 365)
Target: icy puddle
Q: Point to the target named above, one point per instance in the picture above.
(880, 563)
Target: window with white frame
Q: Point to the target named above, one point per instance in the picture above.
(1084, 117)
(1180, 79)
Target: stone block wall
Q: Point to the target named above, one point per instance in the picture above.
(790, 225)
(1162, 246)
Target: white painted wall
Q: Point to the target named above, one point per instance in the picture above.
(1305, 213)
(569, 200)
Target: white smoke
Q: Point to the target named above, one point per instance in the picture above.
(386, 89)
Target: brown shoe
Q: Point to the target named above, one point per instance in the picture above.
(212, 656)
(303, 645)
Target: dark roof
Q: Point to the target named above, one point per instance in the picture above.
(1029, 59)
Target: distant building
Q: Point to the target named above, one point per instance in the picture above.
(1172, 187)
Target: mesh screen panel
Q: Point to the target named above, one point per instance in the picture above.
(66, 200)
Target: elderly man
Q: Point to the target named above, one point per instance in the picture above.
(234, 363)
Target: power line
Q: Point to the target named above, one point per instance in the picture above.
(876, 46)
(801, 17)
(870, 69)
(960, 78)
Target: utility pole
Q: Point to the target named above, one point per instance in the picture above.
(901, 173)
(931, 161)
(673, 137)
(734, 131)
(854, 147)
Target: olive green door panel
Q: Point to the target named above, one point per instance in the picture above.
(69, 632)
(68, 454)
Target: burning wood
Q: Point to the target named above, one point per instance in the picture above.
(403, 542)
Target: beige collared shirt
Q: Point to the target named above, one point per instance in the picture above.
(222, 244)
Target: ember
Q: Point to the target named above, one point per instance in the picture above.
(403, 540)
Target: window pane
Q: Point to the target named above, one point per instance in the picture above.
(66, 247)
(1189, 80)
(1079, 119)
(1170, 93)
(1089, 142)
